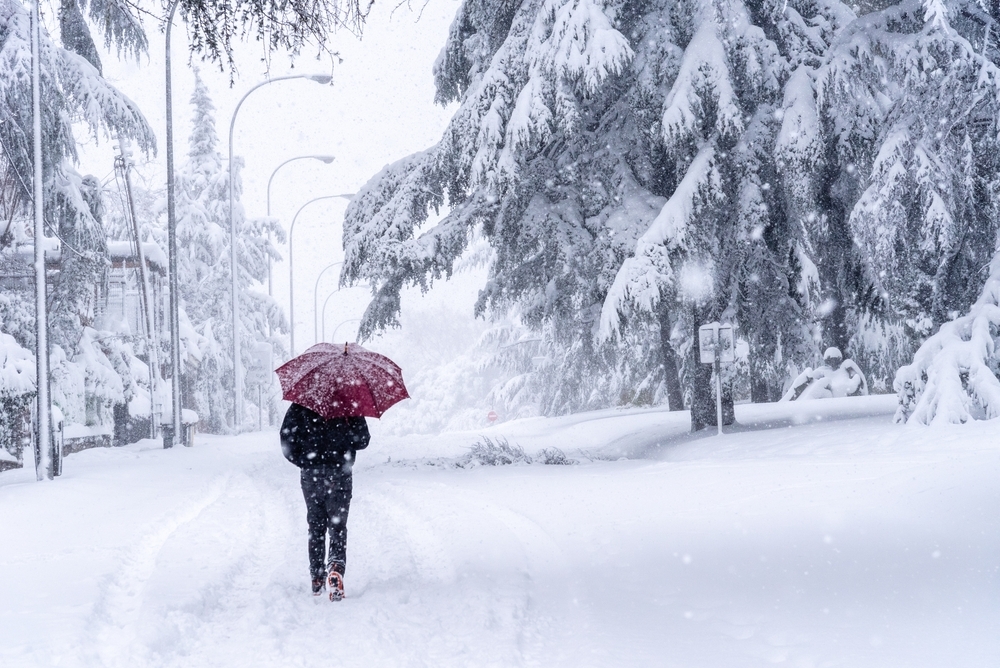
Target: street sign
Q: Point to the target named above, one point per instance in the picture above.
(492, 416)
(715, 339)
(260, 370)
(717, 344)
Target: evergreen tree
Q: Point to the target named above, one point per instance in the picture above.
(816, 174)
(576, 147)
(930, 214)
(204, 270)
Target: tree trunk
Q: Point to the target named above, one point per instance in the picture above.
(675, 398)
(761, 391)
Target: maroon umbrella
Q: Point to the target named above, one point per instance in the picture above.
(340, 381)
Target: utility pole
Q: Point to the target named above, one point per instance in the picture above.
(46, 453)
(152, 341)
(175, 327)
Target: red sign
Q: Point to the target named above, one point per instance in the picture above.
(492, 416)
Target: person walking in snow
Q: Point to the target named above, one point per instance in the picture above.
(325, 449)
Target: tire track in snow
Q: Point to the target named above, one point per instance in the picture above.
(393, 515)
(503, 574)
(114, 616)
(245, 603)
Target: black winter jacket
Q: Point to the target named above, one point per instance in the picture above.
(311, 441)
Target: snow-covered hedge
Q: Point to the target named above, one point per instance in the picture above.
(953, 376)
(17, 388)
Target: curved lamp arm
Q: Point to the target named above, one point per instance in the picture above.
(344, 322)
(291, 265)
(316, 298)
(326, 159)
(234, 269)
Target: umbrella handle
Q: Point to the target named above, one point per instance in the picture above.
(345, 347)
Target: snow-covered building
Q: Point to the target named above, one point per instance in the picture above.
(123, 301)
(96, 384)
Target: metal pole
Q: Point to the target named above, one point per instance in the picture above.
(175, 328)
(327, 159)
(316, 310)
(291, 266)
(718, 387)
(147, 293)
(44, 462)
(237, 367)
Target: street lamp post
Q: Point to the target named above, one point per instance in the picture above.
(291, 264)
(326, 159)
(316, 299)
(237, 371)
(175, 328)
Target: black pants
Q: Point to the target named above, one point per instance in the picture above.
(328, 499)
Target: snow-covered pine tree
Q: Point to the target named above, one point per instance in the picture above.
(74, 92)
(204, 270)
(537, 160)
(592, 131)
(930, 213)
(667, 163)
(727, 244)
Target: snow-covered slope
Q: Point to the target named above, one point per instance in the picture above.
(831, 542)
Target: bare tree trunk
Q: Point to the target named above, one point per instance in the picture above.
(675, 398)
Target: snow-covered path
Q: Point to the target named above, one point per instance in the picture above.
(847, 543)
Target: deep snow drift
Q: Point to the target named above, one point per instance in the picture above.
(826, 537)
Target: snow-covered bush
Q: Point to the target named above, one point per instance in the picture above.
(499, 452)
(17, 391)
(880, 348)
(554, 457)
(954, 375)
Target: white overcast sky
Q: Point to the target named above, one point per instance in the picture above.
(379, 108)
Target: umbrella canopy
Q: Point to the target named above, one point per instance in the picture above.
(341, 381)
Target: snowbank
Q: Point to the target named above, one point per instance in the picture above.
(853, 542)
(17, 368)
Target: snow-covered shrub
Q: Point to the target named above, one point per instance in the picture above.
(554, 456)
(17, 316)
(499, 452)
(68, 387)
(103, 386)
(17, 391)
(953, 376)
(880, 349)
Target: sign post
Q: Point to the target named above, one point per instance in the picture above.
(259, 373)
(716, 344)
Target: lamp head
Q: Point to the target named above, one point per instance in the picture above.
(320, 78)
(326, 159)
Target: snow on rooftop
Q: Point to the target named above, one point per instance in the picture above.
(122, 250)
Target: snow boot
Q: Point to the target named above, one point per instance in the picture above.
(335, 581)
(318, 586)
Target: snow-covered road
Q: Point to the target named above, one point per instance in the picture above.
(832, 543)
